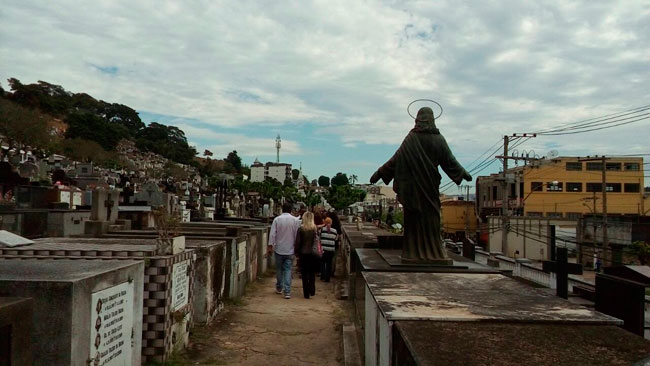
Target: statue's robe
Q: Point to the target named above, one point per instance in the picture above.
(414, 168)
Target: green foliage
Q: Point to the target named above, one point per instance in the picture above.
(90, 151)
(641, 250)
(341, 196)
(168, 141)
(49, 98)
(22, 126)
(87, 126)
(295, 173)
(233, 162)
(323, 181)
(340, 179)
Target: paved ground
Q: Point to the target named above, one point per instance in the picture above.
(266, 329)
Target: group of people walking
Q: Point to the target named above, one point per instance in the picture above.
(313, 238)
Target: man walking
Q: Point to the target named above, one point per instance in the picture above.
(281, 242)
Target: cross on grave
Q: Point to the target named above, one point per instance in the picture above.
(562, 269)
(109, 207)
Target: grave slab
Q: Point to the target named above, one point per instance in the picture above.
(83, 310)
(9, 239)
(458, 297)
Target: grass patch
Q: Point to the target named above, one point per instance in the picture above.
(234, 302)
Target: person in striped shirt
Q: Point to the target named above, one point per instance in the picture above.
(328, 238)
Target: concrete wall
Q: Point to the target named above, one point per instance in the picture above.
(528, 237)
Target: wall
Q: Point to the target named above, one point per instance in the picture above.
(528, 237)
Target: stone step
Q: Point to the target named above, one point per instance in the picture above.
(351, 353)
(112, 228)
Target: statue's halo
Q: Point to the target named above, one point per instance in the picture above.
(424, 100)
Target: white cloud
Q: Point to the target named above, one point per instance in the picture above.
(348, 67)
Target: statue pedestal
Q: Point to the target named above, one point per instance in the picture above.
(394, 258)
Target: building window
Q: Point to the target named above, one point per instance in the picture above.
(84, 170)
(494, 193)
(594, 187)
(613, 166)
(573, 187)
(613, 187)
(554, 187)
(632, 166)
(632, 187)
(534, 214)
(555, 215)
(595, 166)
(573, 165)
(573, 215)
(536, 186)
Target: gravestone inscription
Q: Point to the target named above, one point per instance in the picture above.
(111, 325)
(180, 284)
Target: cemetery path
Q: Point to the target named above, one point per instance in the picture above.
(264, 328)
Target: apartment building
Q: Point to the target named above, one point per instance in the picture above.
(279, 171)
(566, 187)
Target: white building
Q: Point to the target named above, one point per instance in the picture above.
(279, 171)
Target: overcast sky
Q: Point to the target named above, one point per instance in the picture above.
(333, 78)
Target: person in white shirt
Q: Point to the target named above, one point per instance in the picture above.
(281, 242)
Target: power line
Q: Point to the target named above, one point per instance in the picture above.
(597, 128)
(590, 122)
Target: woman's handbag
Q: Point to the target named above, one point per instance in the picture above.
(316, 248)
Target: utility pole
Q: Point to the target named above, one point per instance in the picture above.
(467, 211)
(505, 218)
(603, 187)
(505, 214)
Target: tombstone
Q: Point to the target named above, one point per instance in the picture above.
(103, 211)
(15, 331)
(28, 170)
(152, 195)
(75, 304)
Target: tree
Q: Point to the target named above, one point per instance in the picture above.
(88, 126)
(295, 173)
(207, 153)
(234, 160)
(168, 141)
(342, 196)
(641, 250)
(323, 181)
(354, 178)
(22, 126)
(49, 98)
(341, 179)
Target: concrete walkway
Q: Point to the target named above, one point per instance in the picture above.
(264, 328)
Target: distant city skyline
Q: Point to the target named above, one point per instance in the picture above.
(233, 76)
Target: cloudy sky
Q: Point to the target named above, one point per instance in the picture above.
(333, 78)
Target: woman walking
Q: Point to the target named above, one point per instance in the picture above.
(328, 237)
(308, 261)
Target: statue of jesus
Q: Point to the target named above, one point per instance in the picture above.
(414, 169)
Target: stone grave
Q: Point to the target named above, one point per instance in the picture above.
(472, 298)
(103, 211)
(167, 287)
(237, 244)
(85, 312)
(15, 331)
(209, 269)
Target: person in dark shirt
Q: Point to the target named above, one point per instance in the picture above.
(308, 261)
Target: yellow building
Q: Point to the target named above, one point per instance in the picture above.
(458, 216)
(567, 187)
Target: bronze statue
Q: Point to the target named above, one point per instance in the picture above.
(414, 167)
